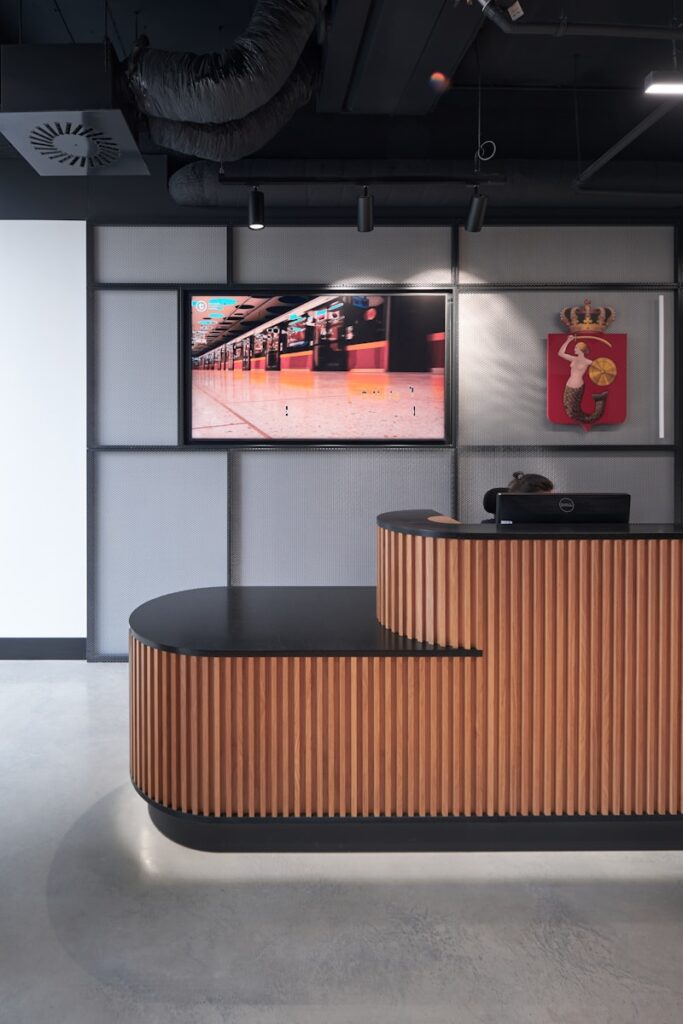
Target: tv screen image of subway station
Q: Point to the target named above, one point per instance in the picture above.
(336, 367)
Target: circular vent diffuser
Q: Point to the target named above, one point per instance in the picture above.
(74, 144)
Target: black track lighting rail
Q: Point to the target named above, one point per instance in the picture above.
(367, 179)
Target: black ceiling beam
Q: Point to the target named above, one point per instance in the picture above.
(563, 28)
(652, 118)
(343, 40)
(396, 35)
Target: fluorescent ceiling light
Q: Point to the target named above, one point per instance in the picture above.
(664, 83)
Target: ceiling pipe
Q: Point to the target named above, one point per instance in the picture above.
(562, 28)
(652, 118)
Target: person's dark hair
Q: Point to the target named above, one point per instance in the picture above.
(529, 483)
(490, 499)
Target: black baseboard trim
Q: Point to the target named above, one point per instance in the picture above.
(418, 835)
(40, 648)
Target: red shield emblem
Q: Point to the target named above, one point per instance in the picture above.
(586, 371)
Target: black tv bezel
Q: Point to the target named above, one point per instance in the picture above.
(185, 371)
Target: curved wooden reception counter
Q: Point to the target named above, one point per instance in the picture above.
(577, 705)
(287, 704)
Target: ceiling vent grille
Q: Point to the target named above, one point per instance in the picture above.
(74, 143)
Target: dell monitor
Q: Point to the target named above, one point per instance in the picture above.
(562, 508)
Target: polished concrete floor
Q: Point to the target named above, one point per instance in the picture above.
(102, 921)
(307, 405)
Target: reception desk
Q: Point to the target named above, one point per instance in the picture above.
(501, 687)
(576, 705)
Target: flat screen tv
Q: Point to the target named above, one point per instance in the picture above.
(338, 368)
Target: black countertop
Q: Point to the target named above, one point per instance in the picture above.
(274, 621)
(416, 521)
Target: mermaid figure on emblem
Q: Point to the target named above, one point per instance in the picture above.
(575, 386)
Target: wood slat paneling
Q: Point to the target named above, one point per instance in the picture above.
(578, 708)
(298, 735)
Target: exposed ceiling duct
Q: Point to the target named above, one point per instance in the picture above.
(235, 139)
(222, 107)
(222, 87)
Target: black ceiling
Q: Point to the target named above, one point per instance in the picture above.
(375, 102)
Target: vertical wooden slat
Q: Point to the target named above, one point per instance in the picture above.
(343, 736)
(419, 588)
(559, 746)
(376, 736)
(354, 737)
(365, 706)
(675, 668)
(400, 735)
(662, 654)
(429, 588)
(617, 627)
(640, 747)
(388, 736)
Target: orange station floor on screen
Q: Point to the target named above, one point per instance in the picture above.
(259, 404)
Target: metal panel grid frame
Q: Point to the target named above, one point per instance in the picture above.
(304, 519)
(526, 254)
(159, 525)
(647, 477)
(160, 253)
(342, 257)
(502, 368)
(135, 345)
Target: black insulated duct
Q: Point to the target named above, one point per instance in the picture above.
(225, 87)
(235, 139)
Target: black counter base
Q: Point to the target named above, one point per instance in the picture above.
(418, 835)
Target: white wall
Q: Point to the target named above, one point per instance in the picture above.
(42, 429)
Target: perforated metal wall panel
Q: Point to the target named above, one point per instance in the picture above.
(502, 368)
(160, 525)
(561, 255)
(160, 254)
(308, 518)
(649, 479)
(343, 257)
(136, 367)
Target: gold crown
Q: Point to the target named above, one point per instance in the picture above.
(585, 318)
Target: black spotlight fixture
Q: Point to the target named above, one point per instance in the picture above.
(477, 211)
(365, 216)
(257, 209)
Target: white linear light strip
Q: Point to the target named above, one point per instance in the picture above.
(661, 368)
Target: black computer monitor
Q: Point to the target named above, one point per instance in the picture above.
(562, 508)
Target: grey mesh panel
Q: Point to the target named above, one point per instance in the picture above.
(502, 368)
(136, 367)
(160, 526)
(342, 256)
(550, 255)
(649, 479)
(160, 254)
(308, 518)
